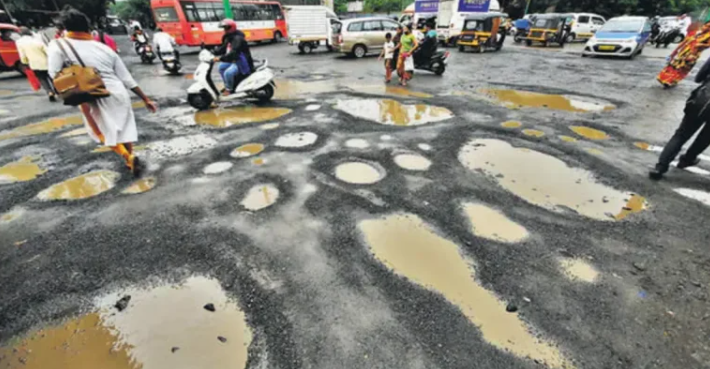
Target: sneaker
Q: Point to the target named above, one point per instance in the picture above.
(655, 175)
(138, 167)
(683, 162)
(52, 98)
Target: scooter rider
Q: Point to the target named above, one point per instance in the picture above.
(235, 60)
(139, 38)
(164, 43)
(428, 45)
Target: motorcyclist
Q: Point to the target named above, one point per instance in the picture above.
(655, 28)
(234, 56)
(164, 43)
(139, 38)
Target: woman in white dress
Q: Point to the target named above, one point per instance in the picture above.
(108, 120)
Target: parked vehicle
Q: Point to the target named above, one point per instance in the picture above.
(310, 27)
(116, 26)
(621, 37)
(670, 33)
(671, 22)
(360, 36)
(548, 29)
(483, 32)
(203, 93)
(9, 56)
(193, 23)
(452, 13)
(584, 25)
(423, 9)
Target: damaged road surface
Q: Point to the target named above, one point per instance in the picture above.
(496, 219)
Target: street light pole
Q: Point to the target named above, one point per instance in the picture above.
(227, 10)
(6, 9)
(527, 7)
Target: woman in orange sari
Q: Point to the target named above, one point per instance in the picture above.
(684, 57)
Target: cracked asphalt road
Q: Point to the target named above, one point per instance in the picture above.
(360, 226)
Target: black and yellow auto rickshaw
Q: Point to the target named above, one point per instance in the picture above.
(549, 29)
(483, 32)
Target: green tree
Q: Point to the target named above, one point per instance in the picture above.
(134, 9)
(382, 6)
(340, 6)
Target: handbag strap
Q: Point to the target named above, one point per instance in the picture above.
(78, 58)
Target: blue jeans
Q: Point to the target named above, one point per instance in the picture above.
(228, 71)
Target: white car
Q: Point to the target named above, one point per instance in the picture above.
(621, 37)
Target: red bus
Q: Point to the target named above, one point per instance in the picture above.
(192, 22)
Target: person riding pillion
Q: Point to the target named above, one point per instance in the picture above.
(234, 56)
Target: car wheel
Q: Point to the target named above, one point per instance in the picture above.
(359, 51)
(570, 37)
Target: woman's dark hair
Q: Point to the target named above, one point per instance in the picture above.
(74, 20)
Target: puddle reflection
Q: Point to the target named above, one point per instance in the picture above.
(392, 112)
(23, 170)
(518, 99)
(81, 187)
(227, 117)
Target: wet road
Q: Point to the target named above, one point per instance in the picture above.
(496, 217)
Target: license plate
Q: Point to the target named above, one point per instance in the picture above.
(607, 47)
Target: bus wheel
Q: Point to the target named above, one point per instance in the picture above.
(278, 37)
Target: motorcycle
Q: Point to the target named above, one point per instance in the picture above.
(520, 34)
(668, 35)
(203, 93)
(144, 50)
(435, 63)
(170, 62)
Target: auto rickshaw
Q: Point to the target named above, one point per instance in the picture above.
(548, 29)
(9, 56)
(483, 32)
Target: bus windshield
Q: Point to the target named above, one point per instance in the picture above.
(623, 25)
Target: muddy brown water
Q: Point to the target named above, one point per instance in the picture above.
(414, 249)
(389, 90)
(571, 103)
(511, 124)
(46, 126)
(140, 186)
(567, 138)
(81, 187)
(547, 181)
(533, 133)
(227, 117)
(392, 112)
(247, 150)
(492, 224)
(23, 170)
(589, 133)
(578, 269)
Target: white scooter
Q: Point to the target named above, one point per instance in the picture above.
(260, 84)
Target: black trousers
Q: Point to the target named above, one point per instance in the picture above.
(45, 81)
(695, 117)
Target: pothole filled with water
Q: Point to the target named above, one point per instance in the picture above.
(356, 172)
(291, 89)
(533, 133)
(492, 224)
(296, 139)
(223, 118)
(357, 143)
(548, 182)
(572, 103)
(247, 150)
(412, 162)
(260, 196)
(392, 112)
(217, 167)
(511, 124)
(389, 90)
(589, 133)
(23, 170)
(578, 269)
(414, 249)
(140, 186)
(82, 187)
(46, 126)
(567, 138)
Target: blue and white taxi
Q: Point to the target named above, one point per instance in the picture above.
(621, 36)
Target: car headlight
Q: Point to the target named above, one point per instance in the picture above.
(592, 40)
(630, 41)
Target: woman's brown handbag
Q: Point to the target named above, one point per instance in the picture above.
(78, 84)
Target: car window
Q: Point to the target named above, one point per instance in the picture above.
(598, 21)
(470, 25)
(355, 27)
(372, 26)
(583, 19)
(389, 26)
(647, 27)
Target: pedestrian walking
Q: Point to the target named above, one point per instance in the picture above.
(408, 44)
(388, 54)
(395, 57)
(697, 115)
(108, 120)
(33, 53)
(105, 39)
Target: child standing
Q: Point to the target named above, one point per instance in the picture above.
(388, 54)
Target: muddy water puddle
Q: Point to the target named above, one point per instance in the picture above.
(356, 172)
(578, 269)
(260, 197)
(413, 249)
(567, 138)
(11, 215)
(589, 133)
(511, 124)
(412, 162)
(392, 112)
(533, 133)
(227, 117)
(23, 170)
(291, 89)
(492, 224)
(390, 90)
(247, 150)
(81, 187)
(140, 186)
(527, 99)
(548, 182)
(46, 126)
(296, 139)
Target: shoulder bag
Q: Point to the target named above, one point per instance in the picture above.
(78, 84)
